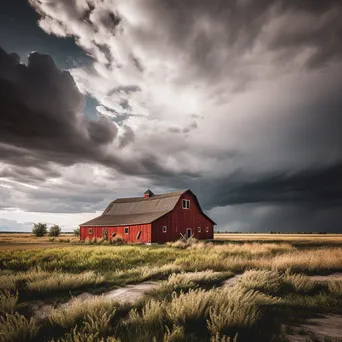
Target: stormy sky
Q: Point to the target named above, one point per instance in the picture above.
(238, 100)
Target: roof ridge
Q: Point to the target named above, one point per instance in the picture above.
(154, 197)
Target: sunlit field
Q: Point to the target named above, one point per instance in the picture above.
(198, 297)
(296, 239)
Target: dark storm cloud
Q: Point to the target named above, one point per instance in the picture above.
(320, 186)
(127, 137)
(40, 113)
(42, 121)
(219, 35)
(279, 217)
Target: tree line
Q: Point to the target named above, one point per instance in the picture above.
(41, 229)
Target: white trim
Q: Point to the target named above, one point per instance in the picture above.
(126, 228)
(164, 228)
(185, 204)
(90, 231)
(207, 229)
(199, 229)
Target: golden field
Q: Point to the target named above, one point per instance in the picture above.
(274, 287)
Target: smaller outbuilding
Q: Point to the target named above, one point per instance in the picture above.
(151, 219)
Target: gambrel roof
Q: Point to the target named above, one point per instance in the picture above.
(139, 210)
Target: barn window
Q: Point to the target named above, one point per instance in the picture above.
(90, 231)
(199, 229)
(126, 230)
(207, 229)
(164, 229)
(139, 234)
(186, 204)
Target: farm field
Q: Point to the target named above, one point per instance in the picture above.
(242, 287)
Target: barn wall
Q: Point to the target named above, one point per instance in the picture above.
(145, 229)
(179, 220)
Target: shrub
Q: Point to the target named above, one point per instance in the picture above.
(118, 240)
(77, 231)
(39, 229)
(54, 230)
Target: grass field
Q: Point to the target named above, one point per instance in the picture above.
(191, 304)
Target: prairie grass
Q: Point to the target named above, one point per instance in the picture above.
(39, 282)
(300, 283)
(335, 287)
(260, 280)
(8, 302)
(296, 239)
(310, 261)
(80, 311)
(62, 281)
(17, 328)
(190, 305)
(81, 336)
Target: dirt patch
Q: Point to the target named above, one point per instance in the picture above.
(233, 280)
(320, 329)
(126, 294)
(332, 276)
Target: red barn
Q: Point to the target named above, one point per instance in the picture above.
(151, 219)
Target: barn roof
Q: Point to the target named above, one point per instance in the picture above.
(139, 210)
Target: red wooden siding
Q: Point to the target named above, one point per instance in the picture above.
(179, 220)
(133, 231)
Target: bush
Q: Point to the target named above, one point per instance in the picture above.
(118, 241)
(77, 231)
(54, 230)
(39, 229)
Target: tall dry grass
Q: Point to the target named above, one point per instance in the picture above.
(81, 311)
(8, 302)
(310, 261)
(17, 328)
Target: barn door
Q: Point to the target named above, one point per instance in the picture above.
(105, 233)
(188, 233)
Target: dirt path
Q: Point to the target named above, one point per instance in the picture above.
(126, 294)
(233, 280)
(332, 276)
(321, 329)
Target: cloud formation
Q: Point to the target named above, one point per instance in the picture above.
(263, 78)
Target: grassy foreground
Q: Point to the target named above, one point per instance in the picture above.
(190, 305)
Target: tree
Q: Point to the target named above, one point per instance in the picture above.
(54, 230)
(77, 231)
(39, 229)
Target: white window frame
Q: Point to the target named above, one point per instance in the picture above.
(126, 229)
(164, 229)
(199, 229)
(90, 231)
(186, 204)
(207, 229)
